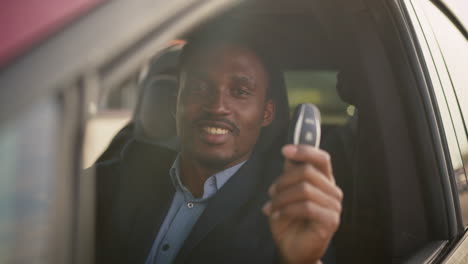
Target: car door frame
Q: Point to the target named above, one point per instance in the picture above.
(442, 97)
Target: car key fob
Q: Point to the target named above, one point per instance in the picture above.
(305, 126)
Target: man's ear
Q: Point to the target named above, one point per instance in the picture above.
(269, 113)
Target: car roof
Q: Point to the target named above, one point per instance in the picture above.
(26, 23)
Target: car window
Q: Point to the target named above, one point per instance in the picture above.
(318, 87)
(454, 50)
(108, 115)
(28, 174)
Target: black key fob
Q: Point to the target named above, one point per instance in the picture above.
(305, 126)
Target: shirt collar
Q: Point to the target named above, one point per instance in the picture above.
(211, 185)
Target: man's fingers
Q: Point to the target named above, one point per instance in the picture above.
(312, 155)
(306, 173)
(306, 204)
(309, 211)
(304, 191)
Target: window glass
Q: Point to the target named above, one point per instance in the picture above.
(115, 110)
(27, 174)
(123, 96)
(454, 49)
(319, 88)
(112, 121)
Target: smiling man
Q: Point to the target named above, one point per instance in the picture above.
(222, 107)
(226, 196)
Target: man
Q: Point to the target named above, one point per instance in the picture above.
(204, 204)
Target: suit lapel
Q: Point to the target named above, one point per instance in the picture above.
(151, 192)
(226, 202)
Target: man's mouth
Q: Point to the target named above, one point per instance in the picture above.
(217, 126)
(215, 130)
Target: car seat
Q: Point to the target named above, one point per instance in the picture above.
(153, 120)
(360, 237)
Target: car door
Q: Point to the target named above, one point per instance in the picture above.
(48, 94)
(444, 47)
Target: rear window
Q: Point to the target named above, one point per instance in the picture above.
(319, 88)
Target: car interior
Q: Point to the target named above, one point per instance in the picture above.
(393, 210)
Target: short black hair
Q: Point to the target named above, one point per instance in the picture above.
(223, 34)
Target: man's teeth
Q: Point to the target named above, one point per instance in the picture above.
(215, 130)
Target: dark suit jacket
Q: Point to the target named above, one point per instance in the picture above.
(134, 194)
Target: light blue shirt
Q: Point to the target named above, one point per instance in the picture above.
(184, 213)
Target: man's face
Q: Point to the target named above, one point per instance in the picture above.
(222, 106)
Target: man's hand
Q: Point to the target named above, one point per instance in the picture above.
(305, 205)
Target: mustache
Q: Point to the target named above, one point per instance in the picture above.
(229, 123)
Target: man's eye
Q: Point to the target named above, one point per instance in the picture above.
(241, 91)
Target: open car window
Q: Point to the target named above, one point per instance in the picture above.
(380, 161)
(320, 88)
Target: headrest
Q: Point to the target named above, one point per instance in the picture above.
(154, 116)
(350, 82)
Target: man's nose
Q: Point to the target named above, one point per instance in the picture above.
(217, 102)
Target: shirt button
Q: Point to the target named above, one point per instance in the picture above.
(165, 247)
(190, 205)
